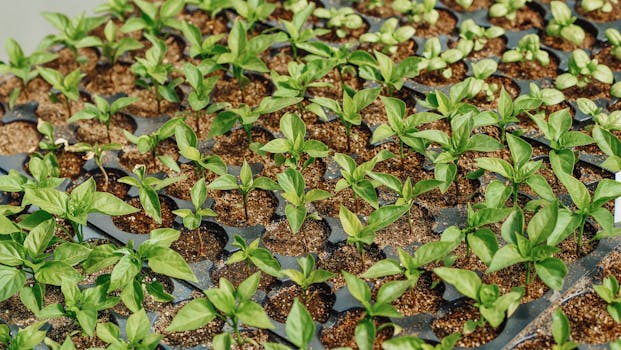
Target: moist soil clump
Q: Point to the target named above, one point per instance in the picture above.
(140, 222)
(312, 237)
(261, 208)
(212, 239)
(341, 334)
(589, 320)
(318, 300)
(454, 321)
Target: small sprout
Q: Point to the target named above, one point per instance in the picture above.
(119, 9)
(149, 143)
(482, 70)
(614, 39)
(25, 339)
(582, 72)
(561, 331)
(562, 24)
(473, 37)
(301, 77)
(192, 219)
(258, 256)
(605, 6)
(102, 111)
(187, 142)
(45, 174)
(155, 17)
(385, 71)
(507, 9)
(114, 47)
(205, 48)
(307, 275)
(67, 85)
(49, 142)
(418, 11)
(137, 331)
(300, 36)
(609, 122)
(528, 50)
(538, 97)
(200, 95)
(434, 59)
(74, 32)
(341, 19)
(97, 152)
(253, 11)
(609, 291)
(389, 36)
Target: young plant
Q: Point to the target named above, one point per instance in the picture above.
(493, 307)
(119, 9)
(25, 339)
(418, 11)
(293, 144)
(451, 105)
(538, 97)
(192, 219)
(155, 17)
(528, 50)
(67, 85)
(253, 11)
(205, 49)
(102, 111)
(187, 142)
(301, 77)
(582, 71)
(366, 330)
(562, 24)
(246, 184)
(200, 96)
(294, 191)
(605, 6)
(247, 115)
(611, 146)
(473, 37)
(211, 7)
(507, 8)
(82, 306)
(360, 235)
(614, 39)
(609, 291)
(356, 177)
(340, 19)
(482, 70)
(299, 327)
(149, 143)
(114, 47)
(297, 32)
(232, 305)
(154, 72)
(74, 32)
(44, 170)
(307, 275)
(22, 66)
(147, 190)
(49, 143)
(258, 256)
(537, 246)
(608, 122)
(349, 112)
(97, 152)
(137, 331)
(389, 36)
(434, 59)
(385, 71)
(561, 331)
(75, 207)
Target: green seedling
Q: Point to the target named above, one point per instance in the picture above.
(118, 9)
(67, 85)
(507, 9)
(415, 343)
(150, 142)
(200, 96)
(25, 339)
(204, 48)
(45, 174)
(614, 39)
(385, 71)
(301, 77)
(155, 17)
(482, 70)
(74, 32)
(527, 50)
(114, 47)
(608, 122)
(390, 35)
(137, 332)
(340, 19)
(97, 152)
(296, 29)
(253, 11)
(102, 111)
(418, 11)
(434, 59)
(561, 332)
(253, 254)
(605, 6)
(50, 143)
(192, 219)
(609, 291)
(299, 327)
(473, 37)
(582, 71)
(562, 24)
(611, 146)
(307, 275)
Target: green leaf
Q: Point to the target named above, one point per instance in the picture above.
(560, 327)
(109, 204)
(11, 281)
(56, 273)
(466, 282)
(193, 315)
(252, 314)
(357, 288)
(168, 262)
(300, 326)
(552, 272)
(504, 257)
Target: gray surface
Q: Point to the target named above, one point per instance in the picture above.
(22, 20)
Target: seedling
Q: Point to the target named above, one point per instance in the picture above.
(25, 339)
(356, 177)
(49, 142)
(349, 111)
(389, 36)
(508, 110)
(360, 235)
(366, 330)
(434, 59)
(528, 50)
(493, 307)
(200, 96)
(127, 276)
(385, 71)
(482, 70)
(582, 71)
(149, 143)
(96, 151)
(246, 184)
(294, 191)
(187, 141)
(82, 306)
(233, 305)
(299, 36)
(562, 24)
(102, 110)
(155, 17)
(118, 9)
(451, 105)
(307, 275)
(67, 85)
(114, 47)
(258, 256)
(507, 9)
(153, 72)
(561, 331)
(418, 11)
(615, 89)
(605, 6)
(609, 291)
(301, 77)
(293, 144)
(609, 122)
(340, 57)
(537, 247)
(74, 32)
(212, 7)
(137, 332)
(611, 146)
(253, 11)
(147, 190)
(205, 48)
(614, 39)
(473, 37)
(192, 219)
(415, 343)
(44, 170)
(75, 207)
(247, 115)
(299, 327)
(538, 97)
(340, 19)
(22, 66)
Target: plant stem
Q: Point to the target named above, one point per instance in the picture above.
(157, 97)
(108, 132)
(248, 129)
(516, 189)
(77, 229)
(24, 89)
(68, 107)
(348, 134)
(201, 245)
(579, 239)
(402, 155)
(410, 222)
(245, 200)
(527, 265)
(104, 173)
(197, 124)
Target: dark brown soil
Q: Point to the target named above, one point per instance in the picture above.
(341, 334)
(454, 321)
(589, 320)
(189, 244)
(66, 61)
(234, 148)
(604, 56)
(444, 26)
(564, 45)
(345, 257)
(398, 234)
(146, 106)
(18, 137)
(599, 15)
(335, 92)
(531, 70)
(70, 164)
(594, 90)
(108, 79)
(116, 188)
(333, 134)
(435, 78)
(236, 273)
(476, 5)
(378, 11)
(92, 131)
(140, 222)
(201, 336)
(181, 189)
(514, 276)
(526, 18)
(493, 47)
(312, 237)
(228, 90)
(318, 300)
(230, 208)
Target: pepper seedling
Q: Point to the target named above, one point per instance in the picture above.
(49, 142)
(67, 85)
(293, 144)
(25, 339)
(74, 32)
(414, 342)
(114, 47)
(390, 35)
(147, 190)
(609, 292)
(295, 29)
(538, 97)
(608, 122)
(45, 174)
(561, 332)
(385, 71)
(434, 59)
(137, 332)
(294, 191)
(258, 256)
(528, 50)
(582, 71)
(299, 327)
(507, 9)
(611, 146)
(187, 142)
(247, 184)
(253, 11)
(614, 39)
(605, 6)
(118, 9)
(211, 7)
(418, 11)
(493, 307)
(102, 111)
(155, 17)
(205, 49)
(340, 19)
(200, 96)
(149, 143)
(482, 70)
(307, 275)
(473, 37)
(97, 152)
(301, 77)
(562, 24)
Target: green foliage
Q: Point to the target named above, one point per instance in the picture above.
(192, 219)
(299, 35)
(149, 142)
(114, 47)
(308, 274)
(253, 11)
(481, 70)
(155, 17)
(200, 96)
(340, 19)
(43, 169)
(74, 32)
(25, 339)
(212, 7)
(561, 331)
(435, 59)
(385, 71)
(137, 330)
(609, 122)
(415, 343)
(611, 146)
(300, 328)
(418, 11)
(474, 37)
(527, 50)
(614, 39)
(605, 6)
(206, 48)
(562, 24)
(492, 306)
(301, 77)
(294, 192)
(147, 190)
(102, 110)
(609, 291)
(97, 152)
(187, 142)
(451, 105)
(507, 8)
(390, 35)
(67, 85)
(582, 71)
(252, 253)
(119, 9)
(538, 97)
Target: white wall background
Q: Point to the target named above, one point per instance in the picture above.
(22, 20)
